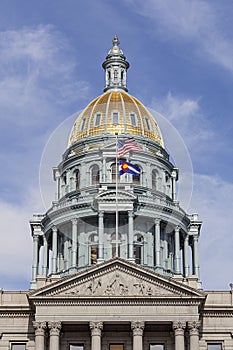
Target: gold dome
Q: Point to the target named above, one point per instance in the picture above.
(115, 112)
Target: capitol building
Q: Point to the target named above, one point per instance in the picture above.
(115, 258)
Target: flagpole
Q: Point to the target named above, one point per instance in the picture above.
(116, 194)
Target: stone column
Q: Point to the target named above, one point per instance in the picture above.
(39, 334)
(35, 257)
(96, 329)
(174, 176)
(195, 255)
(177, 250)
(74, 243)
(186, 256)
(137, 328)
(179, 328)
(101, 236)
(54, 333)
(54, 248)
(130, 234)
(157, 243)
(194, 334)
(45, 257)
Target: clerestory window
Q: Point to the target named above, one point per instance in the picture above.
(214, 346)
(148, 124)
(133, 119)
(157, 347)
(76, 347)
(82, 124)
(18, 346)
(97, 119)
(115, 118)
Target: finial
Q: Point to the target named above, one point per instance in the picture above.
(115, 41)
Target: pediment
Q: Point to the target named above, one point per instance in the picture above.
(117, 278)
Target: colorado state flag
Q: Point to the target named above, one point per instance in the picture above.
(128, 168)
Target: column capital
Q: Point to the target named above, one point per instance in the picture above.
(96, 328)
(39, 327)
(54, 229)
(137, 327)
(101, 213)
(193, 327)
(179, 327)
(74, 221)
(177, 229)
(54, 327)
(157, 221)
(130, 213)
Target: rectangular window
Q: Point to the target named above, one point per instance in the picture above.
(76, 347)
(148, 125)
(82, 124)
(214, 346)
(115, 118)
(116, 347)
(133, 119)
(18, 346)
(157, 347)
(97, 119)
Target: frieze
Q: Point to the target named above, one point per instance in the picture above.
(118, 284)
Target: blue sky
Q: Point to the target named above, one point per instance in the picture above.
(181, 56)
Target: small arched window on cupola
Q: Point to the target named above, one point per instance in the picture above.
(154, 180)
(95, 175)
(138, 248)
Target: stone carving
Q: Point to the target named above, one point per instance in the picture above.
(193, 327)
(137, 327)
(39, 327)
(54, 328)
(119, 283)
(179, 327)
(96, 328)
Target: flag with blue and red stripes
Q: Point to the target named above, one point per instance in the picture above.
(125, 146)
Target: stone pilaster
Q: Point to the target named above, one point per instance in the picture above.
(177, 250)
(40, 328)
(101, 236)
(137, 328)
(54, 248)
(96, 330)
(179, 327)
(193, 328)
(157, 243)
(130, 234)
(54, 333)
(74, 243)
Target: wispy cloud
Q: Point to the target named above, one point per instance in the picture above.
(213, 198)
(195, 21)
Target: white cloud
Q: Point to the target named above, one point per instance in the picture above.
(213, 198)
(16, 241)
(186, 115)
(37, 71)
(194, 21)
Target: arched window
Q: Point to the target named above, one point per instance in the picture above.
(137, 178)
(95, 175)
(113, 172)
(137, 248)
(93, 244)
(154, 180)
(77, 179)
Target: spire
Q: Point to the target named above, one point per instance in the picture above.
(115, 67)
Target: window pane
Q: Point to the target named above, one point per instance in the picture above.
(115, 118)
(148, 124)
(76, 347)
(133, 119)
(18, 346)
(157, 347)
(116, 347)
(97, 119)
(214, 346)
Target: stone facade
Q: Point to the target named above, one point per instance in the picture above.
(115, 258)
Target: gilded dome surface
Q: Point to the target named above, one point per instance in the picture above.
(115, 111)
